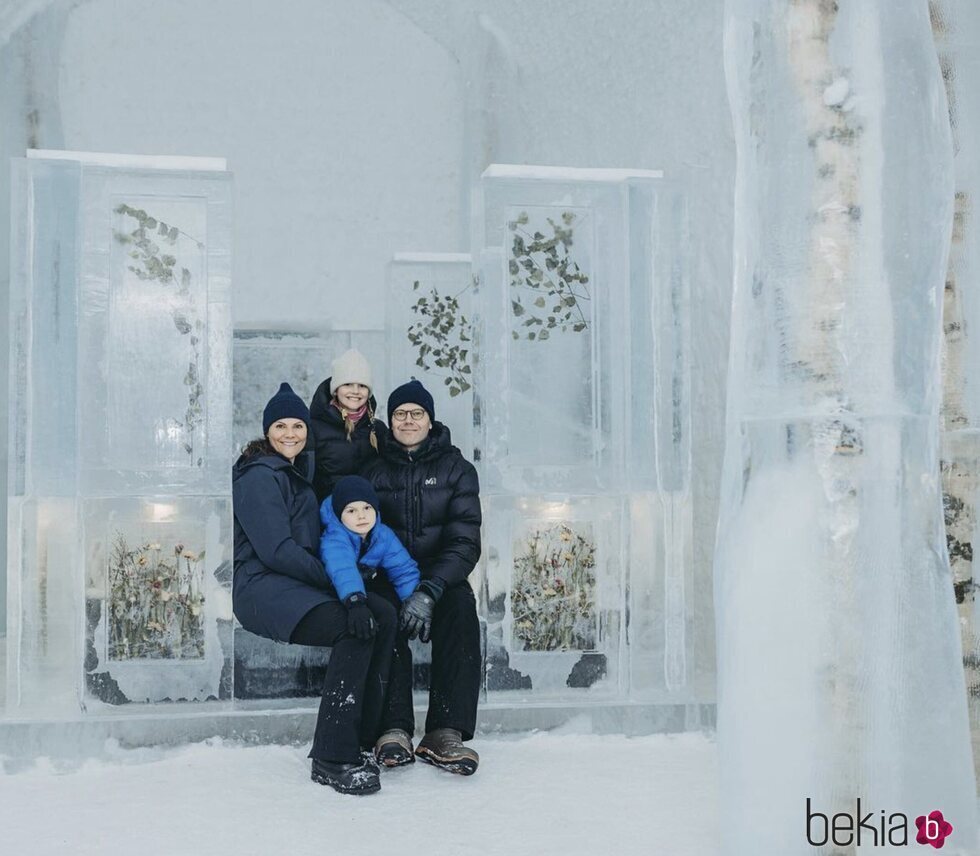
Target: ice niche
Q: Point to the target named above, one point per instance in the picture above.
(839, 651)
(119, 552)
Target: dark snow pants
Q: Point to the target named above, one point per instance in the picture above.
(355, 688)
(454, 685)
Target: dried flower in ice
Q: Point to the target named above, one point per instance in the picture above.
(150, 598)
(553, 591)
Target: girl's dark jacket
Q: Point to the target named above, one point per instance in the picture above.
(278, 577)
(431, 499)
(338, 455)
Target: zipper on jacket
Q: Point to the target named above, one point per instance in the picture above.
(409, 506)
(418, 509)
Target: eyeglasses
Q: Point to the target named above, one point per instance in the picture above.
(402, 415)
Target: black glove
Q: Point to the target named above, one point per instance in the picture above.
(360, 620)
(415, 617)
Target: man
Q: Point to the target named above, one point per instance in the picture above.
(430, 497)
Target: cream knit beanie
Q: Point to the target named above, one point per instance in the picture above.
(350, 367)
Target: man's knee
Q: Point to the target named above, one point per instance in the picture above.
(457, 600)
(455, 613)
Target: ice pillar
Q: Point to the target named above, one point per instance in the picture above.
(119, 507)
(956, 26)
(839, 653)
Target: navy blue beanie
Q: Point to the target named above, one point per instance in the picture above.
(411, 393)
(285, 404)
(353, 489)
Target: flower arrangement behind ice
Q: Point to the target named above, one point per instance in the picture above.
(156, 602)
(552, 599)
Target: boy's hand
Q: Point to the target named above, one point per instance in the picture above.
(360, 620)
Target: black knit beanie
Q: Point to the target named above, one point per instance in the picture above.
(285, 404)
(412, 393)
(353, 489)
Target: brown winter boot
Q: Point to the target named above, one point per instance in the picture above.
(394, 748)
(444, 748)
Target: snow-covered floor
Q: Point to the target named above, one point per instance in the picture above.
(537, 794)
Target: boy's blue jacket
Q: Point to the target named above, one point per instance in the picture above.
(340, 550)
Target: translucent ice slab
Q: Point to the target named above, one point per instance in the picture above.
(120, 513)
(583, 432)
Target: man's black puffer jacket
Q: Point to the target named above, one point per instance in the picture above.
(431, 498)
(338, 455)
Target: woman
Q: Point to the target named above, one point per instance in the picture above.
(346, 434)
(282, 592)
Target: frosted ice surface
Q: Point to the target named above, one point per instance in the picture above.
(839, 655)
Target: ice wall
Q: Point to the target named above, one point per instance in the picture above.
(839, 654)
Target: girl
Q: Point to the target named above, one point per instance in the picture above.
(346, 434)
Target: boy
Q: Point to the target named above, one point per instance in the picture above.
(355, 544)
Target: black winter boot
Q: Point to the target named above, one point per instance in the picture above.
(357, 779)
(444, 748)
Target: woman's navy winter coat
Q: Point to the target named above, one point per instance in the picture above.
(431, 499)
(278, 577)
(349, 560)
(338, 455)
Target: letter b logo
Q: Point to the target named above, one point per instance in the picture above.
(823, 821)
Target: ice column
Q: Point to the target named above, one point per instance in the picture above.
(839, 652)
(583, 434)
(956, 26)
(119, 549)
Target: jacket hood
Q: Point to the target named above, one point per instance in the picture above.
(303, 465)
(320, 404)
